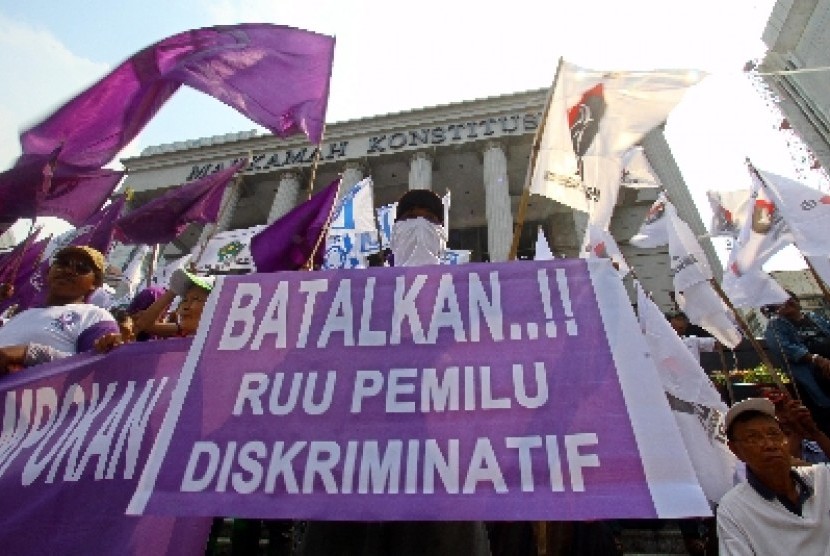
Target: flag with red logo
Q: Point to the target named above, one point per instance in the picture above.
(599, 244)
(594, 117)
(729, 209)
(764, 231)
(653, 231)
(805, 210)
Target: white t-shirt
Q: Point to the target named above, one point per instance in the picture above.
(58, 327)
(748, 523)
(696, 344)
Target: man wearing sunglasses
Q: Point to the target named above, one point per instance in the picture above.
(67, 324)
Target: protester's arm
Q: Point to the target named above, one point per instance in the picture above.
(16, 358)
(148, 319)
(801, 417)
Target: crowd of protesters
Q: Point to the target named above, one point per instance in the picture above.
(781, 505)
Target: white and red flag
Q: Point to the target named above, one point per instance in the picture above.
(764, 231)
(594, 117)
(729, 210)
(654, 230)
(805, 210)
(695, 403)
(599, 244)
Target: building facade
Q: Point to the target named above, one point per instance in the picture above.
(798, 38)
(477, 150)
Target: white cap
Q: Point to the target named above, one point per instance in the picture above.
(750, 404)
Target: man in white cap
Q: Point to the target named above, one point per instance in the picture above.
(780, 509)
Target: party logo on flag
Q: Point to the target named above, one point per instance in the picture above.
(764, 216)
(656, 212)
(584, 119)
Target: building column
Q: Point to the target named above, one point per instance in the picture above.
(497, 202)
(285, 199)
(420, 171)
(229, 200)
(352, 173)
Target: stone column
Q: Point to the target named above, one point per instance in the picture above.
(420, 171)
(497, 202)
(352, 173)
(286, 197)
(229, 200)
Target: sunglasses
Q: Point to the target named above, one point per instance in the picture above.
(78, 266)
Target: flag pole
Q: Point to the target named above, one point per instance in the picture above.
(309, 264)
(237, 181)
(822, 286)
(315, 162)
(762, 355)
(534, 152)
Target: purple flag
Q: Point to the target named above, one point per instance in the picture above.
(277, 76)
(35, 186)
(76, 435)
(288, 243)
(30, 262)
(164, 218)
(11, 261)
(97, 232)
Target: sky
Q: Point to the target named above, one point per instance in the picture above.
(391, 57)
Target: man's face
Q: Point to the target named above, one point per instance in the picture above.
(790, 309)
(761, 444)
(679, 324)
(71, 278)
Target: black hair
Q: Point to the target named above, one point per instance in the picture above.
(420, 198)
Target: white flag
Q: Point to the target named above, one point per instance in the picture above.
(162, 275)
(752, 288)
(355, 211)
(729, 210)
(654, 230)
(805, 210)
(593, 118)
(764, 231)
(822, 267)
(637, 171)
(456, 256)
(600, 244)
(386, 218)
(228, 250)
(542, 252)
(131, 273)
(696, 404)
(687, 259)
(705, 308)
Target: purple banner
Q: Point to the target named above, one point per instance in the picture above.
(480, 391)
(75, 437)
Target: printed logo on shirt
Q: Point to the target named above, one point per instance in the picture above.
(66, 321)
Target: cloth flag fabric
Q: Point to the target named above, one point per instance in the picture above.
(705, 308)
(695, 402)
(161, 277)
(764, 231)
(542, 251)
(228, 250)
(386, 218)
(637, 171)
(822, 267)
(38, 186)
(599, 244)
(805, 210)
(131, 272)
(355, 212)
(11, 262)
(28, 268)
(729, 210)
(288, 243)
(752, 288)
(688, 261)
(164, 218)
(594, 117)
(654, 230)
(97, 232)
(275, 75)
